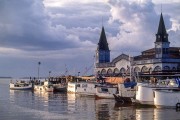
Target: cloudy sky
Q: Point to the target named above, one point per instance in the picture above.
(63, 34)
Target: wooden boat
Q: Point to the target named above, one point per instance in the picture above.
(144, 92)
(169, 98)
(44, 86)
(20, 85)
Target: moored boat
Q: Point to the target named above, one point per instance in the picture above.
(59, 83)
(44, 86)
(144, 92)
(169, 98)
(106, 91)
(86, 88)
(126, 93)
(60, 87)
(20, 85)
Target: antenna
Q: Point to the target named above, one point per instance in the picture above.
(161, 7)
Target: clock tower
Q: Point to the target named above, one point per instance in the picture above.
(161, 43)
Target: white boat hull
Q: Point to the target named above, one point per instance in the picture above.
(166, 98)
(105, 95)
(82, 88)
(43, 88)
(86, 88)
(14, 87)
(46, 86)
(106, 92)
(145, 93)
(71, 88)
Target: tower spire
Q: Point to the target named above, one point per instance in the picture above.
(161, 35)
(102, 52)
(103, 44)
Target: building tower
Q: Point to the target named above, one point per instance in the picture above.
(102, 52)
(161, 43)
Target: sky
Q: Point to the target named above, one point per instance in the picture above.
(63, 34)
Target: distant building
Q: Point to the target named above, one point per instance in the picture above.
(160, 61)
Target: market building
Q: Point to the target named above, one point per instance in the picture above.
(160, 61)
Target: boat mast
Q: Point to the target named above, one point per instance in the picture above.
(130, 67)
(94, 70)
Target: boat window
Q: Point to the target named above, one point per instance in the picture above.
(78, 85)
(84, 85)
(154, 94)
(104, 89)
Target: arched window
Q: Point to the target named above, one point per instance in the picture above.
(150, 70)
(116, 71)
(144, 69)
(166, 68)
(122, 70)
(173, 68)
(103, 71)
(157, 68)
(109, 71)
(136, 69)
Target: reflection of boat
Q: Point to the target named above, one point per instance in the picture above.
(106, 91)
(145, 95)
(119, 104)
(20, 85)
(125, 112)
(167, 98)
(123, 100)
(45, 86)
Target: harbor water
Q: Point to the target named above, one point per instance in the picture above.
(28, 105)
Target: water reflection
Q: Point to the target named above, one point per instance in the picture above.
(73, 107)
(136, 113)
(104, 108)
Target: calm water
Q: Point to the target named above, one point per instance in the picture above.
(26, 105)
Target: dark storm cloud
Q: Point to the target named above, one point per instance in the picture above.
(25, 25)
